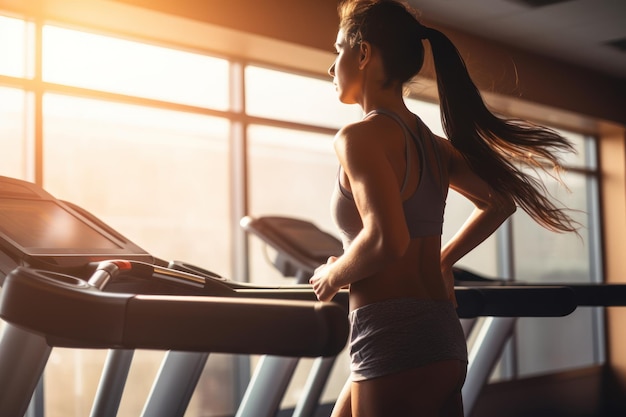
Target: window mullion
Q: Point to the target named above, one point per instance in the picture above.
(238, 172)
(38, 103)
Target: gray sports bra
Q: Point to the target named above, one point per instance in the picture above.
(423, 210)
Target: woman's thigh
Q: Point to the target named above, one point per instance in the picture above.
(430, 390)
(343, 407)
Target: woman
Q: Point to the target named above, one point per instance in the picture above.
(408, 352)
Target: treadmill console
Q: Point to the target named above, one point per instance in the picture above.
(40, 231)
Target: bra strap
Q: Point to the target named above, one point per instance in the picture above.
(407, 152)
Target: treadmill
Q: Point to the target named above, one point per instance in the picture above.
(69, 280)
(59, 263)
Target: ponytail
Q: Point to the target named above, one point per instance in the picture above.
(495, 148)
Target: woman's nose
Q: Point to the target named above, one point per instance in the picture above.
(331, 70)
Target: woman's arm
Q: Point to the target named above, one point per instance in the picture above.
(374, 185)
(491, 210)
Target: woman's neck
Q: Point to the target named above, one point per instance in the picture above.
(383, 98)
(394, 105)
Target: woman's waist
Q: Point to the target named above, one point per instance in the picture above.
(381, 288)
(397, 308)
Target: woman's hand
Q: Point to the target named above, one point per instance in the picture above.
(324, 290)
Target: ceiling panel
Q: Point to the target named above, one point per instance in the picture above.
(575, 31)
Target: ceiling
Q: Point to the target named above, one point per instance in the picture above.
(586, 33)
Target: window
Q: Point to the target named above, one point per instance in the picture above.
(294, 98)
(291, 174)
(546, 345)
(109, 64)
(13, 47)
(14, 139)
(158, 176)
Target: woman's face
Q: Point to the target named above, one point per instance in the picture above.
(345, 70)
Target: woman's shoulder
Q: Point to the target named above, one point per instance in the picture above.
(371, 124)
(369, 131)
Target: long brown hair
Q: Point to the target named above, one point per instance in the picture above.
(496, 148)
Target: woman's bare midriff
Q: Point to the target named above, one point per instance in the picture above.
(417, 274)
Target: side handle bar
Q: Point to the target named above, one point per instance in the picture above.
(69, 312)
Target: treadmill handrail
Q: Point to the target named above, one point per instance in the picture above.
(71, 313)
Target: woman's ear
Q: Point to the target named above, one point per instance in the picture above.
(365, 54)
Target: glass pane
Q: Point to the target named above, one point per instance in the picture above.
(75, 396)
(159, 177)
(295, 98)
(13, 140)
(110, 64)
(12, 47)
(554, 344)
(579, 158)
(551, 344)
(544, 256)
(80, 371)
(216, 381)
(292, 173)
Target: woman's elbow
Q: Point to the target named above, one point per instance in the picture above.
(503, 206)
(508, 206)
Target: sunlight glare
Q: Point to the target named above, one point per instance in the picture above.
(12, 47)
(116, 65)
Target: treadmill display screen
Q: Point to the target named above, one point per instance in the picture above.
(42, 226)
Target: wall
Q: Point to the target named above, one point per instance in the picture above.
(612, 151)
